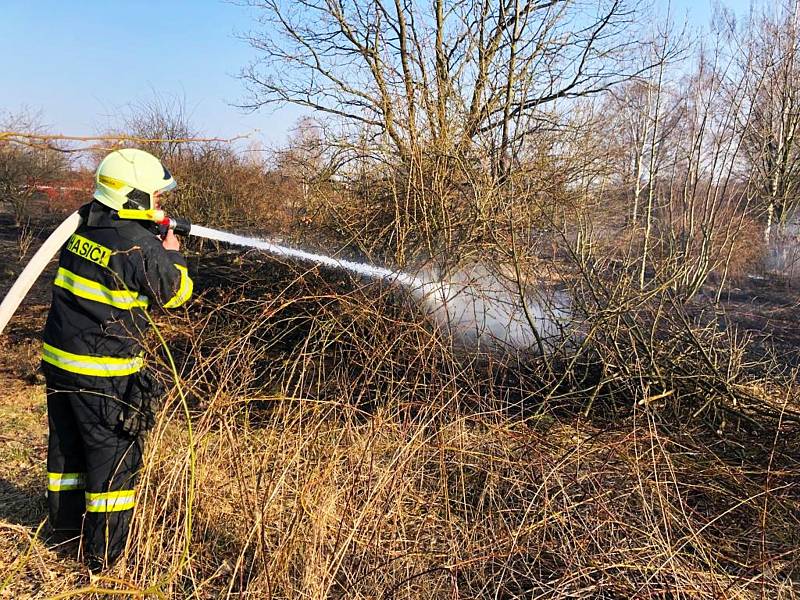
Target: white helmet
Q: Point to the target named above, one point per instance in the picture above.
(128, 178)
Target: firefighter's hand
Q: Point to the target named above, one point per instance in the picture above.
(170, 241)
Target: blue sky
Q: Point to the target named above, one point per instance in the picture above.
(80, 62)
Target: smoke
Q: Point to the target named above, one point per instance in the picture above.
(485, 311)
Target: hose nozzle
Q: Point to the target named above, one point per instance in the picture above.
(179, 225)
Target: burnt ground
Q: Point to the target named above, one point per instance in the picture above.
(767, 309)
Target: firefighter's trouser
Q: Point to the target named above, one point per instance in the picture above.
(92, 467)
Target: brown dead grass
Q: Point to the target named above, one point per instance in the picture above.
(342, 449)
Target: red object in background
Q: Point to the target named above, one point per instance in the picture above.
(67, 193)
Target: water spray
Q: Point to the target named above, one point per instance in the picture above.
(472, 304)
(184, 227)
(363, 269)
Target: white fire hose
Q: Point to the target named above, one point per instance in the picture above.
(34, 268)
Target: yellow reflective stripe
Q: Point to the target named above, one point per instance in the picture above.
(57, 482)
(184, 290)
(110, 501)
(115, 184)
(97, 253)
(91, 290)
(98, 366)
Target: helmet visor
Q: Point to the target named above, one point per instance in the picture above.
(159, 195)
(171, 186)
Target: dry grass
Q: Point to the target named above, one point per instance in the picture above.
(474, 506)
(343, 448)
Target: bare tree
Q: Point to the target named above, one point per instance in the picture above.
(438, 103)
(676, 139)
(23, 166)
(645, 114)
(771, 58)
(161, 125)
(447, 75)
(303, 159)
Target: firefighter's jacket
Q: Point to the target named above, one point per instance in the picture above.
(110, 271)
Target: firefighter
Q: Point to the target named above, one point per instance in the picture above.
(100, 396)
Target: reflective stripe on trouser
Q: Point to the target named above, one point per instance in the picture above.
(59, 482)
(97, 366)
(65, 463)
(110, 501)
(84, 438)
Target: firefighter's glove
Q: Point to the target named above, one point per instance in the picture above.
(141, 403)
